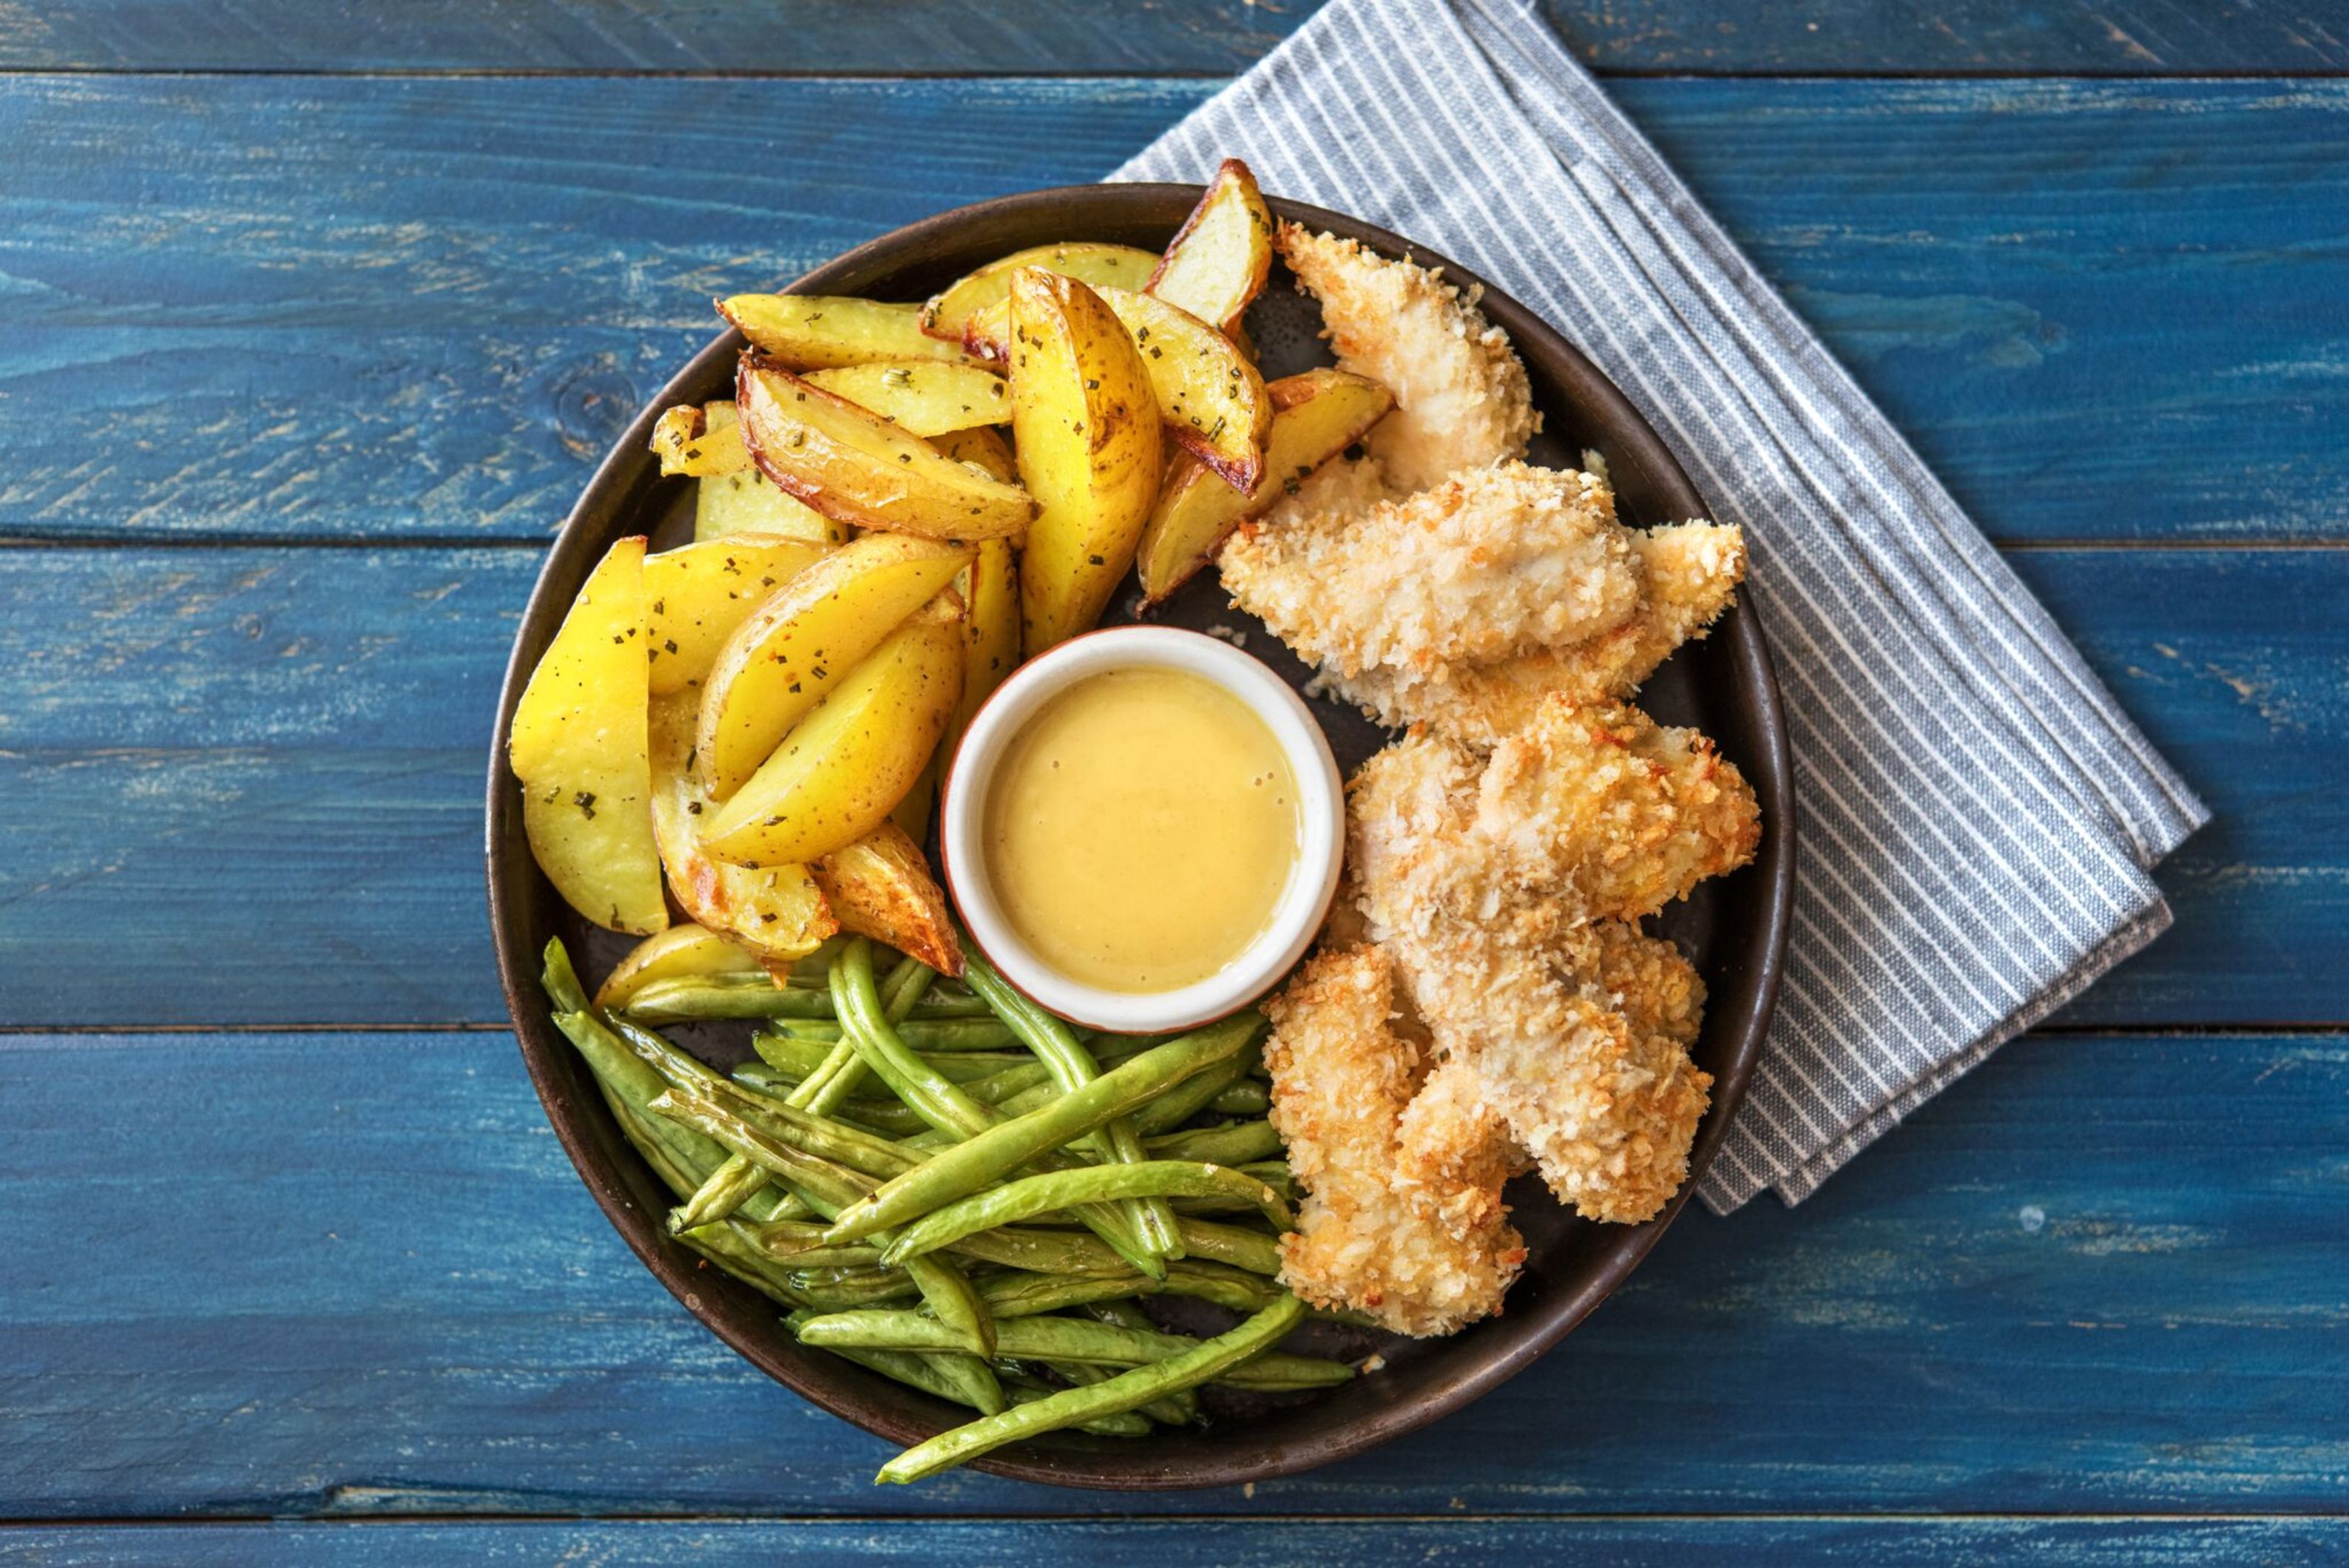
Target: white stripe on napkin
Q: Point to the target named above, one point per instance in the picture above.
(1978, 817)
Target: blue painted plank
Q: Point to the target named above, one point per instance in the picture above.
(2133, 38)
(202, 742)
(1234, 1543)
(417, 307)
(294, 1275)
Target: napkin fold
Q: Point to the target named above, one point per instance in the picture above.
(1978, 816)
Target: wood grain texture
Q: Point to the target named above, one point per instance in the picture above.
(2135, 37)
(319, 1275)
(1236, 1543)
(206, 746)
(418, 308)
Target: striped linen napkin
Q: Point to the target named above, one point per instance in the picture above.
(1978, 815)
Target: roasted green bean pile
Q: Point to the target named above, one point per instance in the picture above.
(949, 1186)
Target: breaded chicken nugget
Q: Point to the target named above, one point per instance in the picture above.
(1600, 804)
(1422, 1258)
(1461, 396)
(1492, 562)
(1689, 574)
(1497, 886)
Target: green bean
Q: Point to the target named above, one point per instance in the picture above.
(1011, 1296)
(1029, 1295)
(1222, 1357)
(801, 1244)
(798, 1056)
(826, 1177)
(810, 1134)
(826, 1185)
(724, 1247)
(955, 1302)
(1178, 1105)
(1044, 1252)
(818, 1091)
(1226, 1287)
(1025, 1390)
(945, 1036)
(1246, 1098)
(703, 998)
(939, 1100)
(1180, 1408)
(1061, 1339)
(991, 1154)
(1032, 1195)
(838, 1290)
(941, 1004)
(1073, 1067)
(935, 1098)
(964, 1380)
(1121, 1314)
(1251, 1250)
(729, 1187)
(1237, 1143)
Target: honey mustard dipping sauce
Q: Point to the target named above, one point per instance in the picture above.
(1140, 829)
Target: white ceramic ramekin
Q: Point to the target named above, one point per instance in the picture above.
(1312, 882)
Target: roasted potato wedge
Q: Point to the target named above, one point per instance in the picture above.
(1210, 397)
(840, 769)
(1317, 416)
(981, 449)
(987, 332)
(579, 747)
(776, 911)
(1218, 262)
(881, 887)
(990, 591)
(685, 441)
(921, 399)
(680, 953)
(857, 468)
(741, 500)
(802, 640)
(1120, 266)
(696, 596)
(821, 332)
(1209, 393)
(1086, 434)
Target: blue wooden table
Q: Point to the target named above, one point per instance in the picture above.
(312, 321)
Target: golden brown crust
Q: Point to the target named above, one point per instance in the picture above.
(1462, 399)
(1424, 1257)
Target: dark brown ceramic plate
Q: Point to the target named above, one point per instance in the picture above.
(1735, 928)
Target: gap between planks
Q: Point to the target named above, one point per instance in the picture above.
(834, 1520)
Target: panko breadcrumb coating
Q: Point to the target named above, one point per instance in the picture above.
(1484, 1001)
(1498, 886)
(1422, 1258)
(1689, 574)
(1461, 395)
(1492, 562)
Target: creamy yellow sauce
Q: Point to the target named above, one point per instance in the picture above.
(1140, 828)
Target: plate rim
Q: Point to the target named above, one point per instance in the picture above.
(557, 1075)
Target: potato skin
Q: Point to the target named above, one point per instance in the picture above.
(777, 912)
(1219, 259)
(881, 886)
(1318, 414)
(578, 745)
(856, 468)
(1085, 425)
(837, 776)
